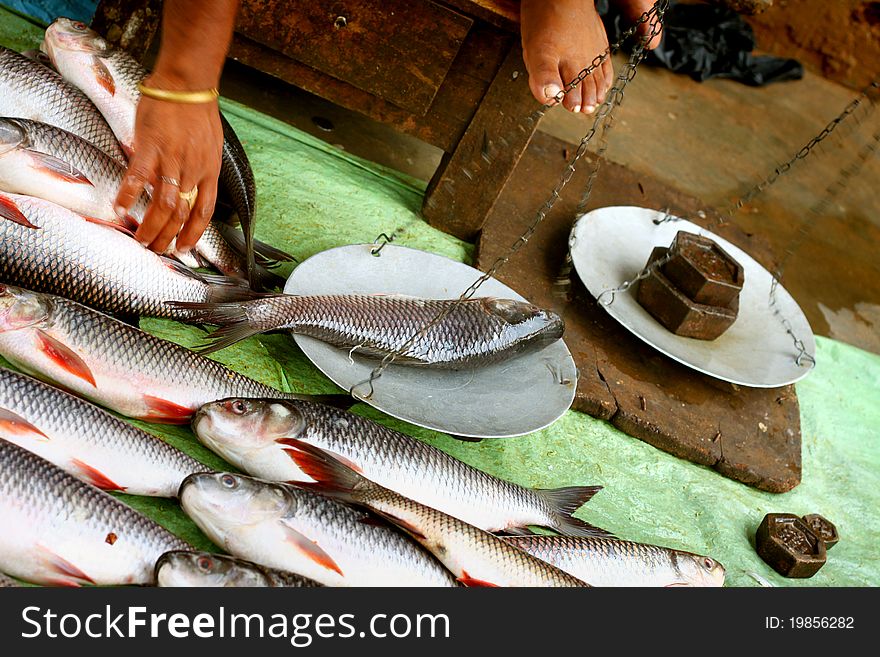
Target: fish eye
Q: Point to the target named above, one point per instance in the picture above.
(80, 27)
(239, 407)
(205, 564)
(228, 481)
(708, 563)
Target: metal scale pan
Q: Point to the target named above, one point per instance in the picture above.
(516, 397)
(611, 245)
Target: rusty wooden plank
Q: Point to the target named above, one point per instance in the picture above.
(751, 435)
(130, 24)
(452, 109)
(399, 50)
(469, 181)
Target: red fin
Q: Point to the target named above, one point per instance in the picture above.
(65, 357)
(58, 168)
(166, 412)
(13, 424)
(311, 550)
(331, 476)
(68, 574)
(9, 211)
(467, 580)
(103, 76)
(95, 477)
(109, 224)
(293, 442)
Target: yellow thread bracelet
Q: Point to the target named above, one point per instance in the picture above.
(188, 97)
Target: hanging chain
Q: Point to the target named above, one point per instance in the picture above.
(654, 17)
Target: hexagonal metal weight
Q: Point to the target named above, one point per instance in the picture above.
(703, 271)
(789, 546)
(823, 528)
(678, 313)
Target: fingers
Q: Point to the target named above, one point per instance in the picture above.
(141, 172)
(161, 211)
(201, 214)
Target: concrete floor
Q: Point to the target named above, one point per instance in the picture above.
(712, 141)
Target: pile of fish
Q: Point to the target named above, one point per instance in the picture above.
(327, 498)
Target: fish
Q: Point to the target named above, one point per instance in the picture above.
(50, 249)
(116, 365)
(30, 90)
(6, 582)
(279, 526)
(255, 435)
(479, 332)
(474, 556)
(37, 159)
(60, 531)
(40, 57)
(611, 562)
(88, 442)
(109, 77)
(203, 569)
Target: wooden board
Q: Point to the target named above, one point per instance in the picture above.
(748, 434)
(399, 50)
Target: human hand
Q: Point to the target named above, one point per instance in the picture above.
(177, 147)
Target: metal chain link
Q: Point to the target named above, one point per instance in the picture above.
(654, 17)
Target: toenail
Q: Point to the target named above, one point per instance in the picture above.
(589, 109)
(551, 91)
(577, 108)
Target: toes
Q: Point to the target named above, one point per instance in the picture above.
(544, 79)
(633, 10)
(604, 81)
(573, 99)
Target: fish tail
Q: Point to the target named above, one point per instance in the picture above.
(264, 254)
(232, 317)
(265, 279)
(564, 502)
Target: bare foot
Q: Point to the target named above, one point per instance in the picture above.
(562, 37)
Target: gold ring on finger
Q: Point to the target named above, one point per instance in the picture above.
(190, 196)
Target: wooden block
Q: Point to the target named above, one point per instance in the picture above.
(399, 50)
(469, 180)
(751, 435)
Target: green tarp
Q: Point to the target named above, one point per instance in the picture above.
(312, 196)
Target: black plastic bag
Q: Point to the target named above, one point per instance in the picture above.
(706, 42)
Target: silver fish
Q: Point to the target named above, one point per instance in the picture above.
(278, 526)
(52, 249)
(88, 442)
(30, 90)
(114, 364)
(257, 435)
(479, 332)
(61, 531)
(109, 77)
(37, 159)
(474, 556)
(610, 562)
(202, 569)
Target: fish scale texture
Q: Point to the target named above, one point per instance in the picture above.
(55, 506)
(57, 413)
(29, 84)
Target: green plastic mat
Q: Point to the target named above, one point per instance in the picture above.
(312, 196)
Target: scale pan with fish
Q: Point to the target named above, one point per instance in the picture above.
(512, 398)
(611, 245)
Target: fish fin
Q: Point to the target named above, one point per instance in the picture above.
(95, 477)
(65, 357)
(109, 224)
(68, 574)
(218, 313)
(266, 279)
(564, 502)
(163, 411)
(9, 211)
(331, 476)
(103, 75)
(514, 531)
(310, 549)
(13, 424)
(348, 464)
(265, 254)
(467, 580)
(58, 168)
